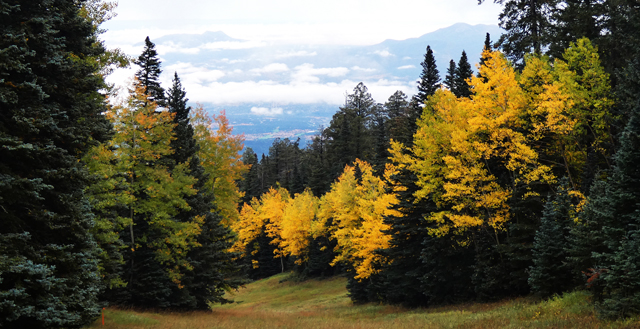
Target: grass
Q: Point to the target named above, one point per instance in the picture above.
(280, 302)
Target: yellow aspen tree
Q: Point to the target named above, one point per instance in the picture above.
(247, 228)
(299, 225)
(220, 156)
(456, 140)
(264, 215)
(357, 208)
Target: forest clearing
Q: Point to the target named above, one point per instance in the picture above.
(282, 302)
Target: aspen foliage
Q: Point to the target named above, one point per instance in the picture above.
(264, 215)
(358, 202)
(142, 136)
(220, 157)
(458, 139)
(299, 225)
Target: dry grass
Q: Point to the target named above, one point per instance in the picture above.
(277, 302)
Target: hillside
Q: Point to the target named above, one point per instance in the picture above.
(279, 302)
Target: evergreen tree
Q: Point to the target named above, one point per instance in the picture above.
(249, 185)
(449, 80)
(50, 117)
(463, 72)
(214, 269)
(318, 167)
(429, 77)
(551, 273)
(398, 126)
(487, 48)
(184, 145)
(349, 132)
(622, 235)
(149, 73)
(528, 27)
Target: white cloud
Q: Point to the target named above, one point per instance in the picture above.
(233, 61)
(404, 67)
(232, 45)
(301, 53)
(272, 68)
(170, 47)
(306, 73)
(289, 93)
(190, 74)
(406, 58)
(383, 53)
(267, 111)
(358, 68)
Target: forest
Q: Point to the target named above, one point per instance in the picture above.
(519, 178)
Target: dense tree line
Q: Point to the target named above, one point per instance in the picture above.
(519, 179)
(516, 180)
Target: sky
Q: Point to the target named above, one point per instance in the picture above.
(282, 22)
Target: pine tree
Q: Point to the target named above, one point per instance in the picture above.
(398, 126)
(486, 49)
(622, 236)
(149, 73)
(184, 145)
(449, 80)
(528, 27)
(463, 73)
(214, 270)
(429, 77)
(551, 272)
(50, 117)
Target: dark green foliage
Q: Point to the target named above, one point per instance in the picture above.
(463, 72)
(586, 238)
(215, 269)
(50, 116)
(399, 125)
(429, 77)
(261, 251)
(621, 231)
(320, 256)
(528, 27)
(184, 145)
(250, 184)
(403, 276)
(487, 47)
(149, 73)
(447, 270)
(551, 273)
(317, 164)
(449, 79)
(614, 26)
(349, 135)
(380, 135)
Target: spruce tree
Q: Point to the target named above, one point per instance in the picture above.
(214, 270)
(463, 72)
(50, 117)
(551, 272)
(528, 27)
(622, 235)
(398, 126)
(450, 78)
(149, 73)
(429, 77)
(488, 47)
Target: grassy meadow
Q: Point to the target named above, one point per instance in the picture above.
(282, 302)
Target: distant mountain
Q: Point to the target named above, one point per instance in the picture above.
(194, 40)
